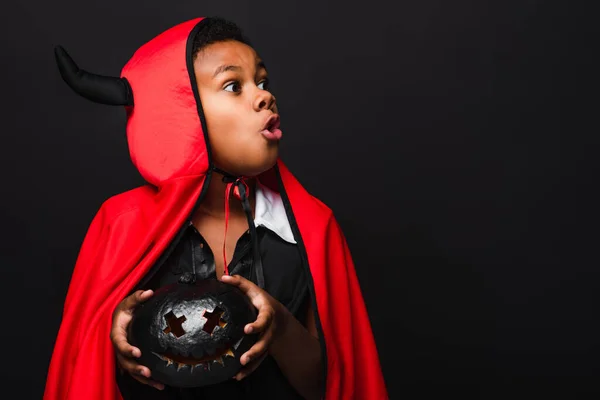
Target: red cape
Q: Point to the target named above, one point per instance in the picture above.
(167, 142)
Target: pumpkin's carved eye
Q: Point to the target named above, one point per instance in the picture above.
(174, 324)
(213, 319)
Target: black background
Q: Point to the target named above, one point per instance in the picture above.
(456, 142)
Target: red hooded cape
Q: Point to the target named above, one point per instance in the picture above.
(167, 140)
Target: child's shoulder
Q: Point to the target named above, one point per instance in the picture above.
(320, 215)
(324, 208)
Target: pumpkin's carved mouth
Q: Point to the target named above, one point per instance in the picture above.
(182, 361)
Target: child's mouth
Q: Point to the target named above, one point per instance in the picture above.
(272, 132)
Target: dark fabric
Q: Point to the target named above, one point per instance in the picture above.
(101, 89)
(285, 280)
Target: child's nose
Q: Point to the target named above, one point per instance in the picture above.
(264, 100)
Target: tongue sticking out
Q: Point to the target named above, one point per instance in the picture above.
(272, 134)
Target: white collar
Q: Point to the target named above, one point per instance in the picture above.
(269, 212)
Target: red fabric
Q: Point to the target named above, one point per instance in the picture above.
(132, 229)
(236, 193)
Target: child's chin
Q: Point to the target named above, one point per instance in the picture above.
(266, 162)
(257, 168)
(264, 167)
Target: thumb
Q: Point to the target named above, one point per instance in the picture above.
(247, 287)
(136, 298)
(124, 311)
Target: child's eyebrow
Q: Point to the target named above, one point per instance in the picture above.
(224, 68)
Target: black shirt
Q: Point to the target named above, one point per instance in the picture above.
(285, 280)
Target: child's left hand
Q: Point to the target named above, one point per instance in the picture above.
(270, 322)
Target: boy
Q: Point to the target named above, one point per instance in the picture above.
(203, 125)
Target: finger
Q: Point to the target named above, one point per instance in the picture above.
(258, 349)
(247, 370)
(150, 382)
(136, 298)
(119, 339)
(138, 371)
(246, 286)
(121, 319)
(263, 320)
(131, 366)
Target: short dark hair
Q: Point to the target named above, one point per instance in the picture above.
(217, 29)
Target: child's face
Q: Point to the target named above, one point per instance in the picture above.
(236, 107)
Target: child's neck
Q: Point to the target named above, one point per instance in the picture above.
(214, 200)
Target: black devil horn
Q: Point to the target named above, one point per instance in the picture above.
(101, 89)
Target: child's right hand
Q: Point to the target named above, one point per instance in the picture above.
(127, 353)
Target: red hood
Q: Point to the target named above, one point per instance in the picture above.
(166, 138)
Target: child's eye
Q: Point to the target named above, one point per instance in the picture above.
(232, 85)
(265, 84)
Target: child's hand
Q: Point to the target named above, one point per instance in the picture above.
(270, 322)
(118, 335)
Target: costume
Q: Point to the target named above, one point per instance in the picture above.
(136, 230)
(285, 280)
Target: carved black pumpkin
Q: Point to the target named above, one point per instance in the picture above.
(192, 334)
